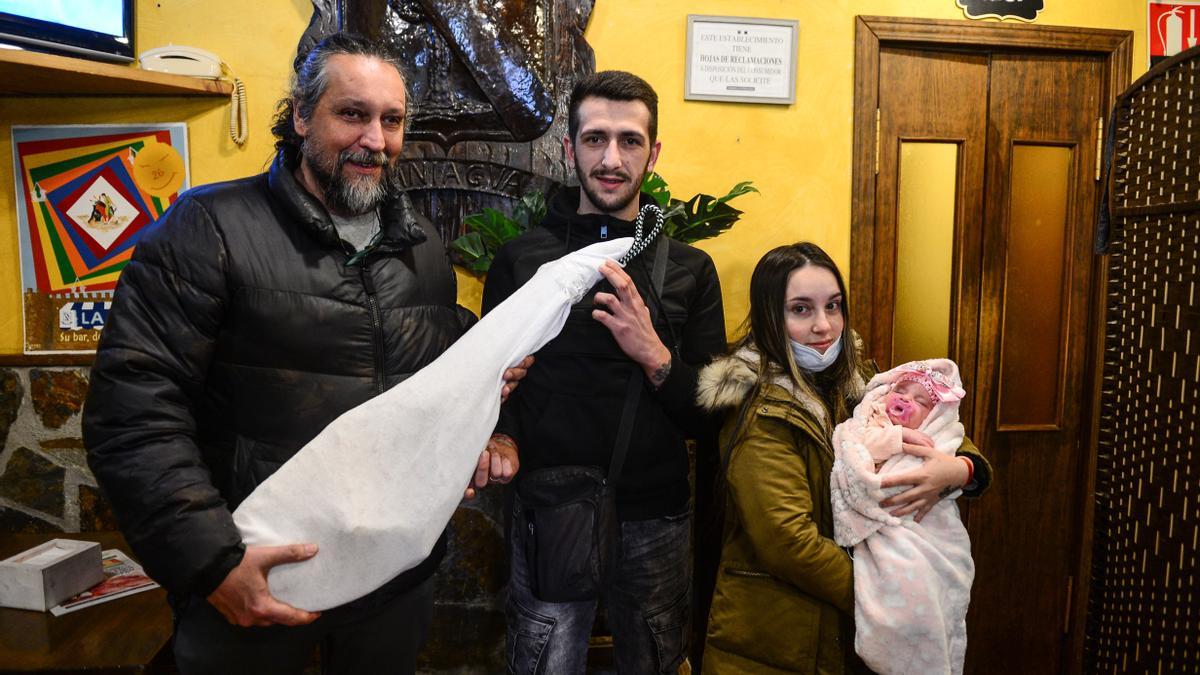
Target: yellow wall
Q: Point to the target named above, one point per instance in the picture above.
(798, 155)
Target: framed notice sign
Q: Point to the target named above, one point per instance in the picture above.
(738, 59)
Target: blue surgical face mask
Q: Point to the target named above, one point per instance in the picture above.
(812, 360)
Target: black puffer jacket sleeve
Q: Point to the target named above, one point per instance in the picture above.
(497, 287)
(701, 340)
(139, 422)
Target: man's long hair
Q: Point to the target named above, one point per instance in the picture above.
(312, 78)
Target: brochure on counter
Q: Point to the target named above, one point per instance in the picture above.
(122, 576)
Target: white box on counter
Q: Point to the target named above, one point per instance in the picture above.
(49, 573)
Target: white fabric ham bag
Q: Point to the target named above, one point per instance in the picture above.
(376, 488)
(912, 581)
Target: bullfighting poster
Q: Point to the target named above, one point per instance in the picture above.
(85, 196)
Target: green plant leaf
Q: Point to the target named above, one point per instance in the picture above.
(738, 190)
(656, 186)
(675, 209)
(703, 217)
(495, 227)
(674, 217)
(472, 252)
(490, 229)
(470, 245)
(529, 210)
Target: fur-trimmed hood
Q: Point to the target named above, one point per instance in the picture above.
(727, 381)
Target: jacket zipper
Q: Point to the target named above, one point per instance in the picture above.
(746, 573)
(376, 323)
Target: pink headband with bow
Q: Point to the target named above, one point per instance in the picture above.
(936, 384)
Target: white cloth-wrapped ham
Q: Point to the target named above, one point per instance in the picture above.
(376, 487)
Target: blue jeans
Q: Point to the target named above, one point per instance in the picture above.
(648, 605)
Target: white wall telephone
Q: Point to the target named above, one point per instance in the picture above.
(180, 60)
(194, 62)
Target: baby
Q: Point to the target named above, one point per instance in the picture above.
(895, 418)
(912, 581)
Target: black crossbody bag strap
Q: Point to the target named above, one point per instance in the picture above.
(633, 392)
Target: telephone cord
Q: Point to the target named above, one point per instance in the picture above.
(238, 117)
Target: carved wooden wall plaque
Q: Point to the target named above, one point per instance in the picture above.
(490, 80)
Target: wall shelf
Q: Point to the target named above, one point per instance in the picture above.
(24, 73)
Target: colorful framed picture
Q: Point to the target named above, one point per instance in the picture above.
(85, 196)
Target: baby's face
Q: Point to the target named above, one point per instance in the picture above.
(908, 404)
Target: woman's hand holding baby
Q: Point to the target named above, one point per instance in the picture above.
(937, 473)
(914, 437)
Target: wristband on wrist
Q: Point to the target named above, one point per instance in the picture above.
(970, 470)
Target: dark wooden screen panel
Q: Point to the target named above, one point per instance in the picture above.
(1144, 606)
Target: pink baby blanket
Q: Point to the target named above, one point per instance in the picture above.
(912, 581)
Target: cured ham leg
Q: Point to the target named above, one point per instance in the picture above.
(376, 488)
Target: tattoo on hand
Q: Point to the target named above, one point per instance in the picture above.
(660, 374)
(946, 491)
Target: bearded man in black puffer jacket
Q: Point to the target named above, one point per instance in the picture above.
(255, 313)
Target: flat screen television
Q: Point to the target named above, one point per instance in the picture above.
(95, 29)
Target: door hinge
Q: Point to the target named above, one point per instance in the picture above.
(1067, 612)
(877, 116)
(1099, 145)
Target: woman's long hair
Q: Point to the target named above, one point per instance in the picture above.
(765, 330)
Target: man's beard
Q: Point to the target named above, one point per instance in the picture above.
(351, 196)
(619, 201)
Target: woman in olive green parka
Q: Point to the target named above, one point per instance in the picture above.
(784, 598)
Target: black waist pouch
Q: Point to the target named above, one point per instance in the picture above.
(569, 530)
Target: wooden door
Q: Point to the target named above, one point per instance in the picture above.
(1032, 393)
(930, 99)
(1018, 133)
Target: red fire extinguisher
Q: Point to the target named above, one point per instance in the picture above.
(1170, 31)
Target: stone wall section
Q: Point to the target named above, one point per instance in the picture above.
(45, 484)
(46, 487)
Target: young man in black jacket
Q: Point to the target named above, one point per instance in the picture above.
(255, 313)
(570, 405)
